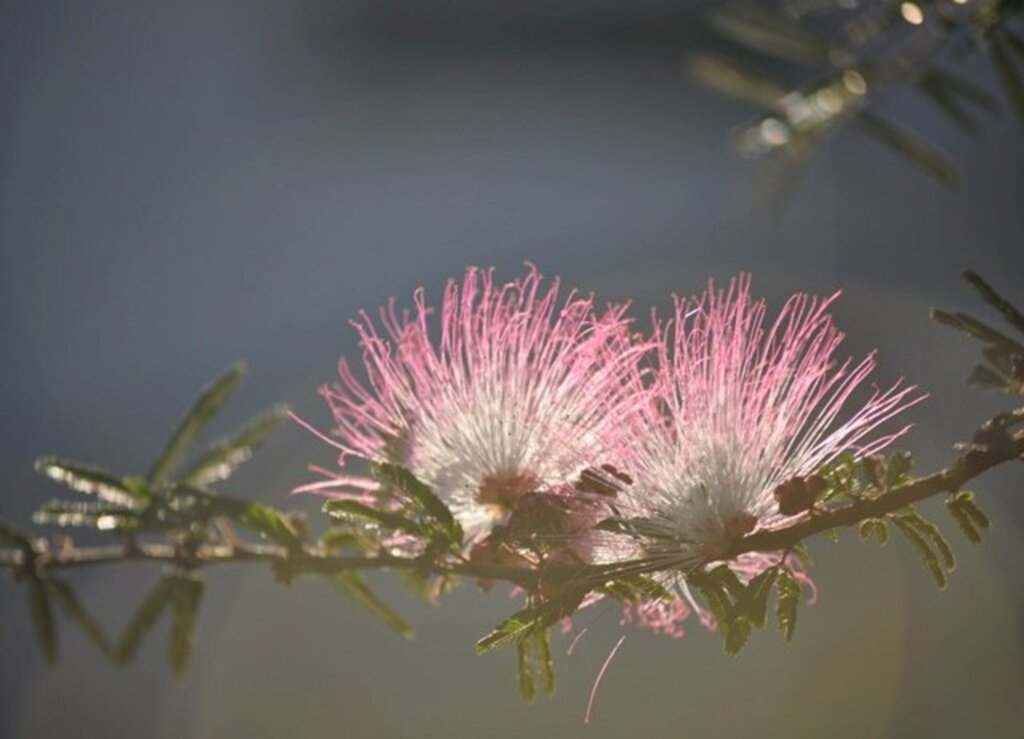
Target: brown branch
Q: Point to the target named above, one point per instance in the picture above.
(307, 562)
(972, 464)
(315, 561)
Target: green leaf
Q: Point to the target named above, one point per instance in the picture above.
(90, 480)
(634, 589)
(754, 603)
(874, 528)
(341, 539)
(353, 585)
(395, 477)
(897, 468)
(971, 520)
(203, 410)
(533, 619)
(264, 520)
(977, 330)
(524, 664)
(65, 597)
(533, 656)
(344, 508)
(144, 618)
(257, 517)
(988, 379)
(831, 534)
(545, 664)
(787, 591)
(911, 146)
(42, 619)
(840, 477)
(932, 534)
(716, 586)
(920, 543)
(221, 459)
(187, 592)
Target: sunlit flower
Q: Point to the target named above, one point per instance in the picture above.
(518, 392)
(746, 410)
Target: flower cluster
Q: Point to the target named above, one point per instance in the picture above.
(537, 419)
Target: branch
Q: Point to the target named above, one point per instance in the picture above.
(972, 464)
(287, 563)
(315, 562)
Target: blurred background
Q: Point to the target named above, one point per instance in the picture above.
(187, 184)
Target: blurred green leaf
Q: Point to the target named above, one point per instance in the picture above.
(343, 538)
(210, 401)
(353, 585)
(73, 608)
(43, 625)
(950, 93)
(144, 618)
(770, 32)
(911, 146)
(225, 456)
(729, 78)
(91, 481)
(93, 514)
(257, 517)
(12, 537)
(1009, 77)
(187, 593)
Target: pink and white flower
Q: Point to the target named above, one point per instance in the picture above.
(517, 392)
(740, 406)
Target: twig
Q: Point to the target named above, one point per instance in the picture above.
(307, 562)
(953, 478)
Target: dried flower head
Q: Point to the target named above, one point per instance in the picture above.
(517, 394)
(745, 411)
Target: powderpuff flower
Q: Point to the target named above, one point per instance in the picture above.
(744, 413)
(518, 393)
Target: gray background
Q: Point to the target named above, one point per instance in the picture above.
(186, 184)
